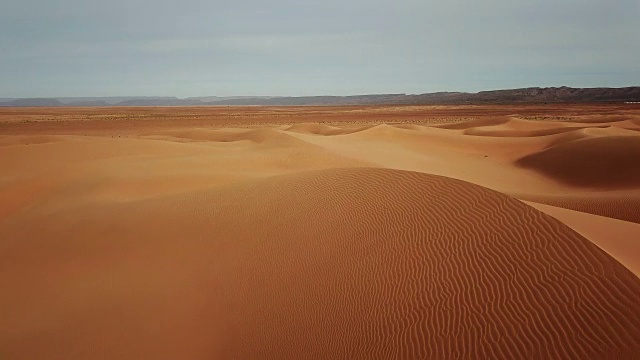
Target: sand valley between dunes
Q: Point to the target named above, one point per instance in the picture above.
(418, 232)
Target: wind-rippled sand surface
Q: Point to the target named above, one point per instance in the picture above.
(354, 232)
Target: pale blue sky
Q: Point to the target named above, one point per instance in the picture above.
(286, 47)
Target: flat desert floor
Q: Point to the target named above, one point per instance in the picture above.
(419, 232)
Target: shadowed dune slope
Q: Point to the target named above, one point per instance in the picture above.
(602, 162)
(341, 263)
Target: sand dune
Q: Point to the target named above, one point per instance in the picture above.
(471, 124)
(519, 133)
(356, 232)
(318, 129)
(370, 263)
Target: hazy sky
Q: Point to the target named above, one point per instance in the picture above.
(288, 47)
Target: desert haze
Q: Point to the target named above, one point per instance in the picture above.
(354, 232)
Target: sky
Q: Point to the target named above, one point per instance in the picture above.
(327, 47)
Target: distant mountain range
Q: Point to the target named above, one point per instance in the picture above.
(525, 95)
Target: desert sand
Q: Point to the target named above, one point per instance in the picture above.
(434, 232)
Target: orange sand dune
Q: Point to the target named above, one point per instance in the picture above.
(320, 232)
(337, 263)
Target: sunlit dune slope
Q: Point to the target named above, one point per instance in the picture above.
(337, 263)
(618, 238)
(623, 205)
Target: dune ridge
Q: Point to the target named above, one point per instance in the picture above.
(616, 237)
(617, 206)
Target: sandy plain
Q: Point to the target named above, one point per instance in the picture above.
(434, 232)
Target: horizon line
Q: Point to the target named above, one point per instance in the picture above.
(318, 95)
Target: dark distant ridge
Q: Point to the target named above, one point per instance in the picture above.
(87, 103)
(318, 100)
(79, 101)
(527, 95)
(32, 102)
(158, 102)
(106, 101)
